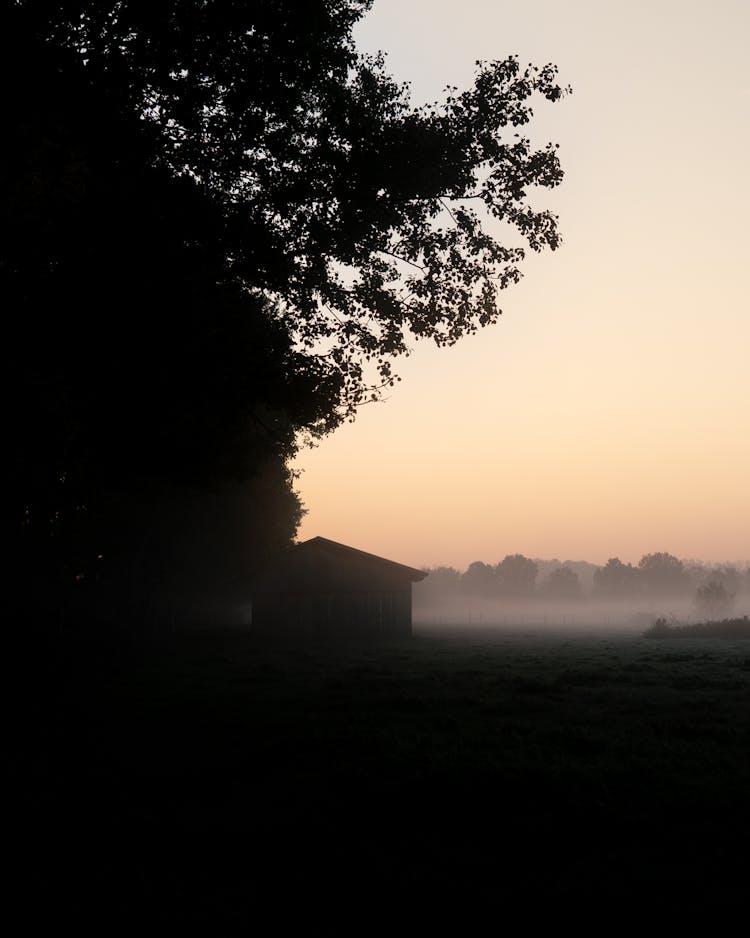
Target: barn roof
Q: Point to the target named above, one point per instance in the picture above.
(322, 563)
(342, 550)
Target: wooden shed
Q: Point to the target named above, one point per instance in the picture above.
(322, 589)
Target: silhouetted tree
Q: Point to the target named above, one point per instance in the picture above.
(332, 193)
(663, 575)
(480, 579)
(616, 580)
(729, 576)
(140, 372)
(215, 216)
(517, 576)
(561, 583)
(174, 554)
(442, 580)
(441, 583)
(713, 599)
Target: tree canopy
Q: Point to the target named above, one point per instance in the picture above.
(222, 224)
(561, 583)
(662, 574)
(361, 215)
(615, 580)
(517, 575)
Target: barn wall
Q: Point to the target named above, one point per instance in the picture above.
(334, 613)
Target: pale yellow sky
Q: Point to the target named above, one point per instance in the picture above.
(607, 413)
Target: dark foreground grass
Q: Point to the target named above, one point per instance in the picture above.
(212, 782)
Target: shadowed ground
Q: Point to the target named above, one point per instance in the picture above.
(210, 780)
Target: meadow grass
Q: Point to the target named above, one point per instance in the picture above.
(212, 775)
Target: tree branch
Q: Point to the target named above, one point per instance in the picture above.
(405, 260)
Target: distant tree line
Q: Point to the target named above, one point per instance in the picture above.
(712, 588)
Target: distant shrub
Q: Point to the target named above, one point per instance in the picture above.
(724, 628)
(660, 629)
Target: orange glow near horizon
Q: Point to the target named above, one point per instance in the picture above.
(607, 414)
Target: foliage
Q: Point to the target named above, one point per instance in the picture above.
(724, 628)
(216, 214)
(729, 576)
(561, 583)
(517, 575)
(141, 374)
(480, 579)
(615, 580)
(361, 215)
(440, 580)
(662, 574)
(713, 599)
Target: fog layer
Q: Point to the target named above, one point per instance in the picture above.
(520, 592)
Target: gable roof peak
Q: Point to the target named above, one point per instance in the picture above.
(343, 550)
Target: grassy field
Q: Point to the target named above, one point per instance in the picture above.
(204, 780)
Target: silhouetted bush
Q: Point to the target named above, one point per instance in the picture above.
(724, 628)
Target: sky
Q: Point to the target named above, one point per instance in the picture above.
(608, 412)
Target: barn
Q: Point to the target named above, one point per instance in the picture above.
(323, 589)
